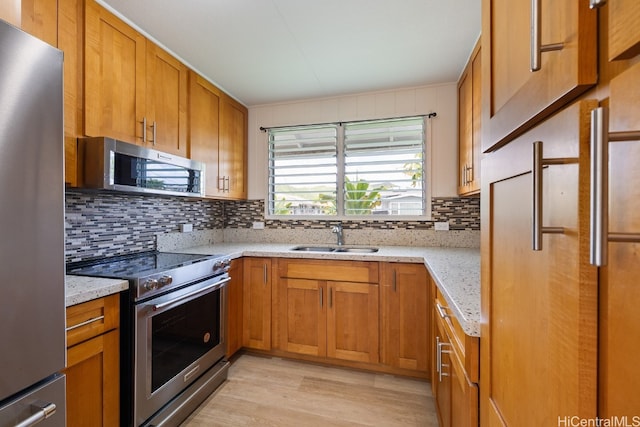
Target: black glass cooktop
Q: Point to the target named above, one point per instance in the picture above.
(137, 265)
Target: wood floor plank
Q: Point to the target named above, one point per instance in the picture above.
(263, 391)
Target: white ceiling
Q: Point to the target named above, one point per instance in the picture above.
(266, 51)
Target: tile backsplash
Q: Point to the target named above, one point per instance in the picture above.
(108, 224)
(100, 224)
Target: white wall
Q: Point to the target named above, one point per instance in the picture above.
(441, 99)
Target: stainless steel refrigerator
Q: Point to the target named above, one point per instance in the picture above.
(32, 308)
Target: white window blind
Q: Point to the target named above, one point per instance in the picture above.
(303, 171)
(384, 167)
(372, 168)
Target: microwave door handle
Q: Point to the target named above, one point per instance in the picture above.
(213, 286)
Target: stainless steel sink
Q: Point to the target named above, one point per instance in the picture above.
(361, 250)
(313, 249)
(357, 250)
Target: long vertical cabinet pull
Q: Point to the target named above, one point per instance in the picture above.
(144, 130)
(441, 365)
(538, 163)
(264, 274)
(321, 302)
(154, 126)
(599, 222)
(536, 37)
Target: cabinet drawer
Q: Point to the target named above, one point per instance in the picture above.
(92, 318)
(467, 347)
(349, 271)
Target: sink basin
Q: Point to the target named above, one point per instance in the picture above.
(361, 250)
(313, 249)
(357, 250)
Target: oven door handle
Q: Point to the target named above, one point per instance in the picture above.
(213, 286)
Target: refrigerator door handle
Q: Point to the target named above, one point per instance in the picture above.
(43, 410)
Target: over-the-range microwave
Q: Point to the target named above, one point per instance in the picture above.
(109, 164)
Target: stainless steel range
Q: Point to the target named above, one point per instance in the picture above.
(172, 332)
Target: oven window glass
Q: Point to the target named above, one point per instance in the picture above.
(145, 173)
(182, 335)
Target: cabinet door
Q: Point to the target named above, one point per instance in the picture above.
(539, 308)
(624, 32)
(232, 149)
(619, 289)
(442, 375)
(352, 321)
(404, 319)
(469, 117)
(256, 295)
(514, 98)
(204, 107)
(234, 308)
(464, 395)
(93, 388)
(302, 316)
(166, 101)
(40, 19)
(114, 75)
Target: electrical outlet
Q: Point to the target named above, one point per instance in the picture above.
(186, 228)
(441, 226)
(258, 225)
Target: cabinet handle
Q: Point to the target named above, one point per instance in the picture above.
(593, 4)
(470, 174)
(438, 355)
(321, 302)
(154, 127)
(441, 311)
(86, 322)
(264, 274)
(599, 222)
(144, 129)
(440, 351)
(395, 283)
(227, 184)
(330, 297)
(42, 411)
(538, 163)
(536, 38)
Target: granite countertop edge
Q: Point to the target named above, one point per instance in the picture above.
(456, 272)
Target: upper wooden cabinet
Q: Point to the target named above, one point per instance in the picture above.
(515, 98)
(232, 151)
(166, 102)
(218, 138)
(624, 32)
(134, 91)
(469, 119)
(40, 18)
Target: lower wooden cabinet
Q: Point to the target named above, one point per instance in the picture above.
(404, 316)
(256, 304)
(328, 309)
(234, 308)
(455, 371)
(93, 357)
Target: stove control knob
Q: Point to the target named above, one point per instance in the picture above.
(151, 284)
(165, 281)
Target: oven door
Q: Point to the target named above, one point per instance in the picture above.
(178, 337)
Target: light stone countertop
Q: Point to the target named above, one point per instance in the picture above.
(456, 272)
(82, 289)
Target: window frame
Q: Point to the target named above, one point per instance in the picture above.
(340, 179)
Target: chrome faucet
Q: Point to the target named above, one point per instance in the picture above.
(338, 230)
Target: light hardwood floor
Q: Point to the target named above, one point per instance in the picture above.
(262, 391)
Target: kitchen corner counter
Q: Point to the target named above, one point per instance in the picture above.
(81, 289)
(456, 271)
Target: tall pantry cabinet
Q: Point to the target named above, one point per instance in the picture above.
(561, 331)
